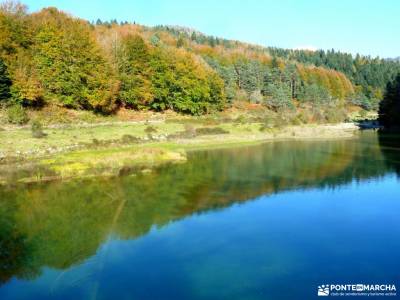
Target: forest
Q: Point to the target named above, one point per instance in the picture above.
(51, 58)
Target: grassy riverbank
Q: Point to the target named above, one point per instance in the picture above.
(114, 148)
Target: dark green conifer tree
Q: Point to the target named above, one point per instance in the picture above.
(389, 110)
(5, 82)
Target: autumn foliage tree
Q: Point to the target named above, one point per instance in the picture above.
(70, 64)
(15, 28)
(135, 73)
(52, 58)
(185, 83)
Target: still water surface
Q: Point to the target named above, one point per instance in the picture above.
(262, 222)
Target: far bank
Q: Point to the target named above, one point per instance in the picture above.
(113, 149)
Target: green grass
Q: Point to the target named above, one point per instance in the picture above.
(21, 140)
(99, 150)
(108, 161)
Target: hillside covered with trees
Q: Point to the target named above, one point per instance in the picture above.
(51, 58)
(389, 110)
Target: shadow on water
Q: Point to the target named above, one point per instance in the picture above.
(61, 224)
(390, 147)
(368, 124)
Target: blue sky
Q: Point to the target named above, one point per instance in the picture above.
(368, 27)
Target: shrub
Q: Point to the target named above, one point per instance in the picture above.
(240, 119)
(150, 129)
(129, 139)
(215, 120)
(296, 120)
(37, 130)
(303, 117)
(189, 132)
(96, 142)
(318, 116)
(335, 115)
(16, 114)
(265, 127)
(189, 128)
(363, 114)
(271, 122)
(211, 130)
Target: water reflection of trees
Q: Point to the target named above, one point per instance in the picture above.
(63, 223)
(390, 146)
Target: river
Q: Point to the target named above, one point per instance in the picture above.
(272, 221)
